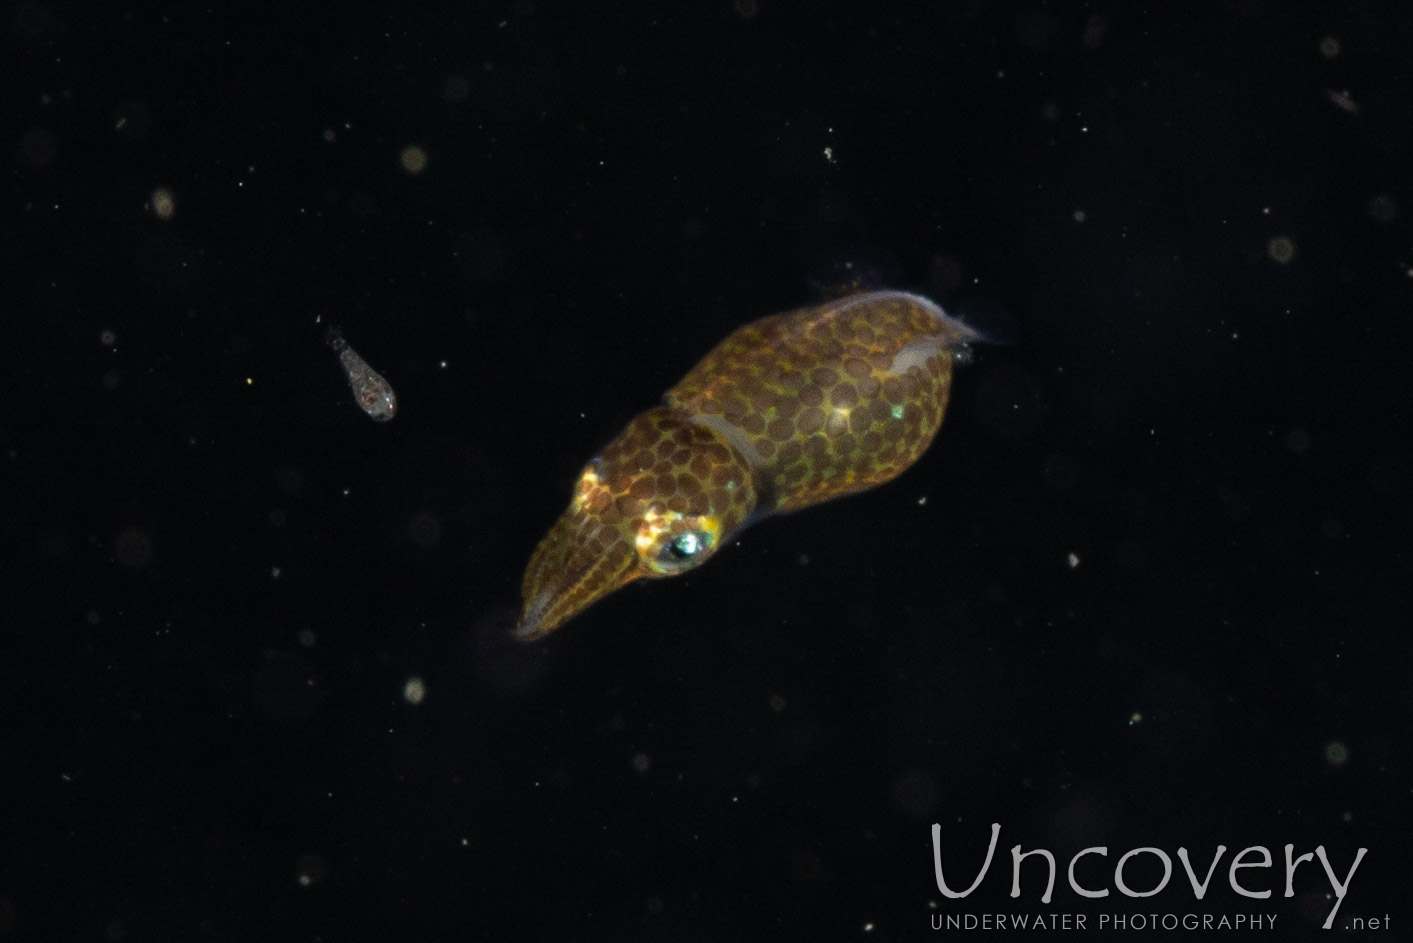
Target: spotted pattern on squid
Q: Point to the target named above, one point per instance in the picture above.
(787, 411)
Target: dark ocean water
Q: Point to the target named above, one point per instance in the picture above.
(1150, 588)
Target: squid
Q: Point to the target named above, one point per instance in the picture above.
(786, 412)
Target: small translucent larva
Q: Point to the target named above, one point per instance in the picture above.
(374, 394)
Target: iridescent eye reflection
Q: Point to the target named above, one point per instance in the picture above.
(682, 552)
(686, 546)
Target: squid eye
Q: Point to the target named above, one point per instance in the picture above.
(684, 547)
(667, 554)
(682, 552)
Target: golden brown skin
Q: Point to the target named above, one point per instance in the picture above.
(788, 411)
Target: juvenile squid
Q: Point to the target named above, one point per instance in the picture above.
(786, 412)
